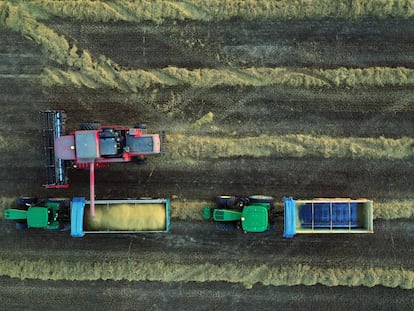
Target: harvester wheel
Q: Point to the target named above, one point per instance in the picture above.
(225, 201)
(24, 201)
(262, 199)
(142, 126)
(86, 126)
(140, 160)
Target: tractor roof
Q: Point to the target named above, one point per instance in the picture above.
(255, 218)
(37, 217)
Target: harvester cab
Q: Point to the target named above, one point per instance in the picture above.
(48, 214)
(251, 214)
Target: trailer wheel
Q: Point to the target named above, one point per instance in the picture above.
(225, 201)
(24, 201)
(86, 126)
(262, 199)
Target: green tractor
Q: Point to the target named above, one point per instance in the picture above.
(250, 214)
(51, 214)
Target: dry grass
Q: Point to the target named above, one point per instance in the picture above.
(84, 71)
(217, 10)
(6, 202)
(188, 210)
(248, 275)
(394, 209)
(11, 142)
(87, 72)
(17, 19)
(374, 76)
(104, 75)
(205, 147)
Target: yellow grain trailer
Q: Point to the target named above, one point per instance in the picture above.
(120, 216)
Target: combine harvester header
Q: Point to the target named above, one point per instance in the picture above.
(54, 127)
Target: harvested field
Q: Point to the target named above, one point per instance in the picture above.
(143, 294)
(284, 98)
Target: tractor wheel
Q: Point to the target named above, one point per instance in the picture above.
(142, 126)
(226, 226)
(64, 227)
(24, 201)
(86, 126)
(63, 202)
(64, 216)
(21, 226)
(262, 199)
(225, 201)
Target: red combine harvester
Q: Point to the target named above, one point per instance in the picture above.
(93, 146)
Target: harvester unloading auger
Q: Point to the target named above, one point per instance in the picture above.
(93, 146)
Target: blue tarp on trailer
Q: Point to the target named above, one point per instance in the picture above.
(329, 214)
